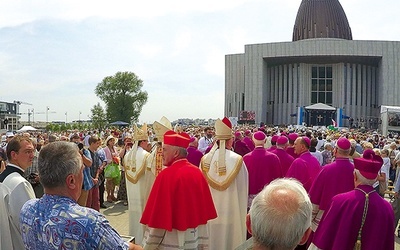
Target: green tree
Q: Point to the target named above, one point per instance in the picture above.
(123, 96)
(98, 116)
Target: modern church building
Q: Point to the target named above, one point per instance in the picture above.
(322, 75)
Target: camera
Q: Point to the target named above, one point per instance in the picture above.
(80, 145)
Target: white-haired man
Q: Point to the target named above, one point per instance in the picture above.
(180, 203)
(279, 217)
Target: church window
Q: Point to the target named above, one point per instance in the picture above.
(321, 84)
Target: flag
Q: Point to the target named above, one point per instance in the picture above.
(334, 123)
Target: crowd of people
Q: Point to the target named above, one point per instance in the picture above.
(192, 187)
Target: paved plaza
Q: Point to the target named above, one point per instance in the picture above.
(117, 214)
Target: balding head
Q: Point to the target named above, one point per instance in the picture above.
(280, 215)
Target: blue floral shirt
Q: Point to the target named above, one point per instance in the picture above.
(57, 222)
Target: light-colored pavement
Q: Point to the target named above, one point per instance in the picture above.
(117, 214)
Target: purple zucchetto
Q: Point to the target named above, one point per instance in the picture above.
(274, 138)
(259, 136)
(368, 165)
(307, 140)
(343, 143)
(282, 140)
(292, 136)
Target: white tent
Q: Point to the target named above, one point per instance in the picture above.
(26, 128)
(321, 106)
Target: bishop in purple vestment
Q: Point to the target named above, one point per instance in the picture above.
(306, 167)
(263, 166)
(280, 151)
(359, 218)
(290, 149)
(274, 138)
(239, 147)
(194, 155)
(248, 140)
(334, 178)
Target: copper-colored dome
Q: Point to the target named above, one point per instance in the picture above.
(321, 19)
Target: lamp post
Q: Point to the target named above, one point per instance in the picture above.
(79, 117)
(47, 114)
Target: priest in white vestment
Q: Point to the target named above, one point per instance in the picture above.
(135, 167)
(227, 177)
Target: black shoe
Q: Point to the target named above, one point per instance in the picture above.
(103, 206)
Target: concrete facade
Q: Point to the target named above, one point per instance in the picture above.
(273, 79)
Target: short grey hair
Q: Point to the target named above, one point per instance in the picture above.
(56, 161)
(182, 151)
(363, 180)
(280, 214)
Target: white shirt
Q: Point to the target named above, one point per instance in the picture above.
(204, 143)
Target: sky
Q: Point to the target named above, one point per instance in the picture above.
(53, 53)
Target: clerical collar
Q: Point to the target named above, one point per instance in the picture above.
(15, 166)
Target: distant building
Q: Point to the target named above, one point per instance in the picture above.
(322, 64)
(9, 119)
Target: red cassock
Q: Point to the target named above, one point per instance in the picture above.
(263, 167)
(179, 199)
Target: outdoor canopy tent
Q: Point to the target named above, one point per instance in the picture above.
(26, 128)
(119, 123)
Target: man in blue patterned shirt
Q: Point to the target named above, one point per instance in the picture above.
(56, 221)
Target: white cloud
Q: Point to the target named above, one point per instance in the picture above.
(53, 53)
(215, 62)
(149, 50)
(182, 42)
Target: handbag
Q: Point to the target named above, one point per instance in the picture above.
(112, 171)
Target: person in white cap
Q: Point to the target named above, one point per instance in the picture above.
(9, 137)
(227, 177)
(135, 168)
